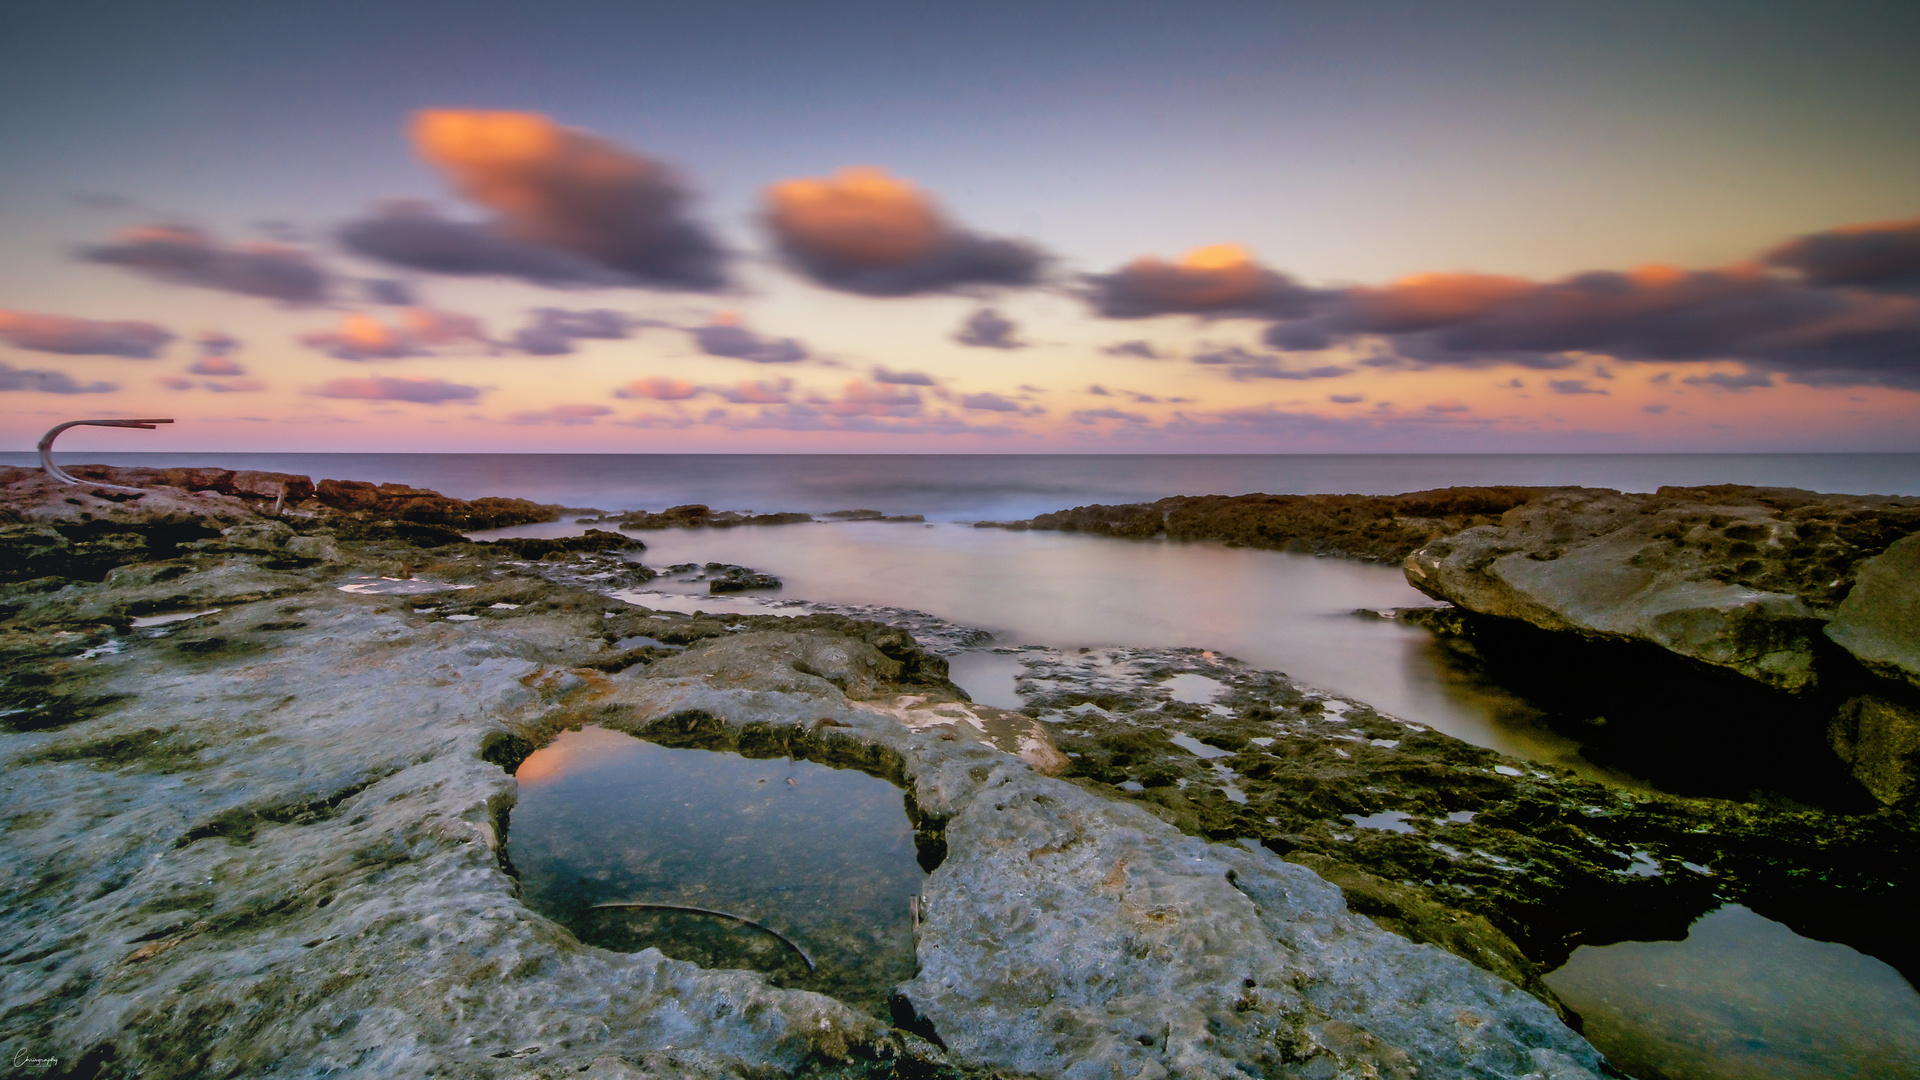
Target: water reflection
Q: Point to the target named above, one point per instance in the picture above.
(1274, 610)
(824, 856)
(1743, 998)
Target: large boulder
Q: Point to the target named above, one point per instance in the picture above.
(1736, 577)
(1879, 621)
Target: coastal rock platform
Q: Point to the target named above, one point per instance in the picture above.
(259, 784)
(268, 838)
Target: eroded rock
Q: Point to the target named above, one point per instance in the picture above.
(1735, 577)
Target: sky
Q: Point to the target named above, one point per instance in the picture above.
(1221, 226)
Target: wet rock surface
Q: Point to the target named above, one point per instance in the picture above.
(1508, 864)
(267, 838)
(1379, 528)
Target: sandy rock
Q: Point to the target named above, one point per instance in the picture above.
(1879, 621)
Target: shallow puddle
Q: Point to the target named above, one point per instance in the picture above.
(1743, 997)
(988, 677)
(821, 858)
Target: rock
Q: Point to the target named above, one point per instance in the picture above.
(271, 841)
(1880, 741)
(257, 536)
(319, 548)
(1373, 527)
(1735, 577)
(424, 507)
(697, 516)
(725, 578)
(596, 540)
(1879, 621)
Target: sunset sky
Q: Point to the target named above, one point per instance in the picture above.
(989, 227)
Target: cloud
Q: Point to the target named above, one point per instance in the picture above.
(988, 329)
(363, 337)
(902, 378)
(175, 382)
(1242, 365)
(554, 330)
(1136, 348)
(1451, 406)
(421, 391)
(859, 398)
(1846, 319)
(1099, 391)
(658, 388)
(1346, 399)
(726, 337)
(389, 291)
(1572, 386)
(1654, 409)
(561, 414)
(1746, 380)
(71, 336)
(48, 382)
(989, 402)
(216, 355)
(863, 231)
(1222, 281)
(571, 208)
(411, 233)
(1882, 256)
(1092, 416)
(774, 392)
(236, 386)
(216, 365)
(187, 256)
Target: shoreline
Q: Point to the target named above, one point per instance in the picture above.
(533, 656)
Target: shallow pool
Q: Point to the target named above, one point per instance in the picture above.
(820, 857)
(1743, 998)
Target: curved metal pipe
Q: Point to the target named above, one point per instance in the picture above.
(784, 939)
(46, 447)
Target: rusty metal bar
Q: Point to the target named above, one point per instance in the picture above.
(55, 471)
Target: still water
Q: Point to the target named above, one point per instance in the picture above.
(1274, 610)
(1743, 998)
(821, 856)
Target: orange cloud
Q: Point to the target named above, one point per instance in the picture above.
(658, 388)
(1221, 280)
(863, 231)
(363, 337)
(860, 215)
(1422, 301)
(560, 194)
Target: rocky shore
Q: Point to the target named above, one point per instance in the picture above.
(1810, 600)
(1376, 528)
(260, 743)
